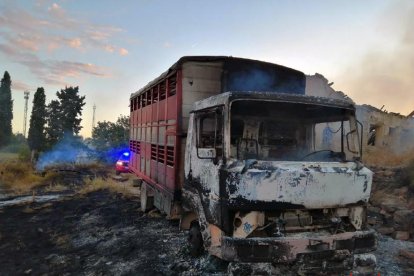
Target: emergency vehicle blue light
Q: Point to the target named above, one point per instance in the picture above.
(126, 153)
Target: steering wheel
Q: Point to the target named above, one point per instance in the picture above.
(316, 152)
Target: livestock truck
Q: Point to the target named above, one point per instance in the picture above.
(254, 168)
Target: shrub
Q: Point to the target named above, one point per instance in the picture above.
(24, 153)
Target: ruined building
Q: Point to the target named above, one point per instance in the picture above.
(382, 131)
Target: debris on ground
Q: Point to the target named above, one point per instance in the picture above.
(104, 233)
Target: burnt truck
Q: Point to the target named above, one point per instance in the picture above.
(254, 168)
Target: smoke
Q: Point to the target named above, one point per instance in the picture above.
(384, 75)
(248, 76)
(70, 150)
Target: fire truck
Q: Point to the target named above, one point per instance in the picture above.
(255, 169)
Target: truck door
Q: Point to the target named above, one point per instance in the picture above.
(208, 152)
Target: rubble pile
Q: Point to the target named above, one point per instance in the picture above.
(391, 210)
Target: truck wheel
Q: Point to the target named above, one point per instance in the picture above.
(195, 239)
(147, 201)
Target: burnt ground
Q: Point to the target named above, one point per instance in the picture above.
(98, 234)
(106, 234)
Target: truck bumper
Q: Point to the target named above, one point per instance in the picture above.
(329, 251)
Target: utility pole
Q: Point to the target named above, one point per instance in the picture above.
(26, 99)
(93, 117)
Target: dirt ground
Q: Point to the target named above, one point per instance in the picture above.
(103, 233)
(98, 234)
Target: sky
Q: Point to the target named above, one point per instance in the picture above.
(110, 49)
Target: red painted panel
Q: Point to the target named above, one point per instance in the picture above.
(144, 114)
(165, 107)
(147, 153)
(148, 113)
(172, 107)
(138, 117)
(161, 173)
(170, 178)
(137, 161)
(161, 110)
(154, 112)
(154, 171)
(141, 168)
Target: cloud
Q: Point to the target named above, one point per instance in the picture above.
(56, 10)
(27, 36)
(21, 86)
(385, 77)
(123, 52)
(74, 69)
(167, 45)
(75, 43)
(109, 48)
(53, 71)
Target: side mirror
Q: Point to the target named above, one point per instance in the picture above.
(206, 153)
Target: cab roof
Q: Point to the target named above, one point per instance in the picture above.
(227, 97)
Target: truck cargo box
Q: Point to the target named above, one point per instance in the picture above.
(160, 110)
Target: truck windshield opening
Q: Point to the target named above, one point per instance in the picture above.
(284, 131)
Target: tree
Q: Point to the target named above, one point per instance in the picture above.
(37, 135)
(71, 105)
(111, 138)
(6, 110)
(63, 115)
(111, 135)
(54, 129)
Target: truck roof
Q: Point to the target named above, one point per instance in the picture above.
(185, 59)
(224, 98)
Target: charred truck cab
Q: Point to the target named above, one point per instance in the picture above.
(267, 173)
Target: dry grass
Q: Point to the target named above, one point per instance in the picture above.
(124, 188)
(7, 156)
(19, 176)
(56, 188)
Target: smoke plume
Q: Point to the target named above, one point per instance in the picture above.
(68, 151)
(384, 76)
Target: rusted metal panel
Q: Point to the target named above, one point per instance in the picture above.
(291, 249)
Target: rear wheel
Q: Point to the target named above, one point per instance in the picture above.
(195, 239)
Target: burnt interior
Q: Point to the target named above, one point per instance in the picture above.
(283, 131)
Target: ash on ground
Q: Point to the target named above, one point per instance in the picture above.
(102, 233)
(98, 234)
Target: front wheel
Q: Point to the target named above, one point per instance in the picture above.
(195, 239)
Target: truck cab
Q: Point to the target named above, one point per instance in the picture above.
(275, 177)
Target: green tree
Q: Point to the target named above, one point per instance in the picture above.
(108, 135)
(71, 105)
(37, 134)
(53, 129)
(111, 139)
(6, 110)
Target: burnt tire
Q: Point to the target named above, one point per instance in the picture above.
(195, 240)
